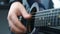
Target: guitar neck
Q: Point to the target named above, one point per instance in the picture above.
(47, 13)
(50, 17)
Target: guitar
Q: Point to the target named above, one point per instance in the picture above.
(46, 18)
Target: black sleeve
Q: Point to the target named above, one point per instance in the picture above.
(16, 1)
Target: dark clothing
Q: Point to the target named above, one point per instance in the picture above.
(30, 2)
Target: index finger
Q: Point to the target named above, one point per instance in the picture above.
(23, 11)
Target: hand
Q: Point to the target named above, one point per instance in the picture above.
(17, 9)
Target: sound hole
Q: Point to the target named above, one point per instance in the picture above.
(32, 20)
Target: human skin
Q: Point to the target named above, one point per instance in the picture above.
(16, 26)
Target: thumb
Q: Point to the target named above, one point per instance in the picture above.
(24, 12)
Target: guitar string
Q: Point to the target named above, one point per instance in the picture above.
(45, 21)
(43, 11)
(49, 10)
(46, 11)
(44, 15)
(38, 14)
(54, 24)
(53, 19)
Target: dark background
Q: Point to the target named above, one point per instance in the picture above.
(4, 7)
(4, 29)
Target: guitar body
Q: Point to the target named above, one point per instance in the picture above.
(42, 20)
(30, 23)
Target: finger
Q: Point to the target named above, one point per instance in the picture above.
(13, 28)
(19, 7)
(17, 23)
(24, 12)
(12, 15)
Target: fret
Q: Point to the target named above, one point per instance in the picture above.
(47, 18)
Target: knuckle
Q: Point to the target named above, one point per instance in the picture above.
(16, 4)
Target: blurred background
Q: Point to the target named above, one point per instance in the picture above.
(4, 7)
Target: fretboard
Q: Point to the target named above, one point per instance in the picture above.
(50, 17)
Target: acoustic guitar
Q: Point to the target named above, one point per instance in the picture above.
(41, 17)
